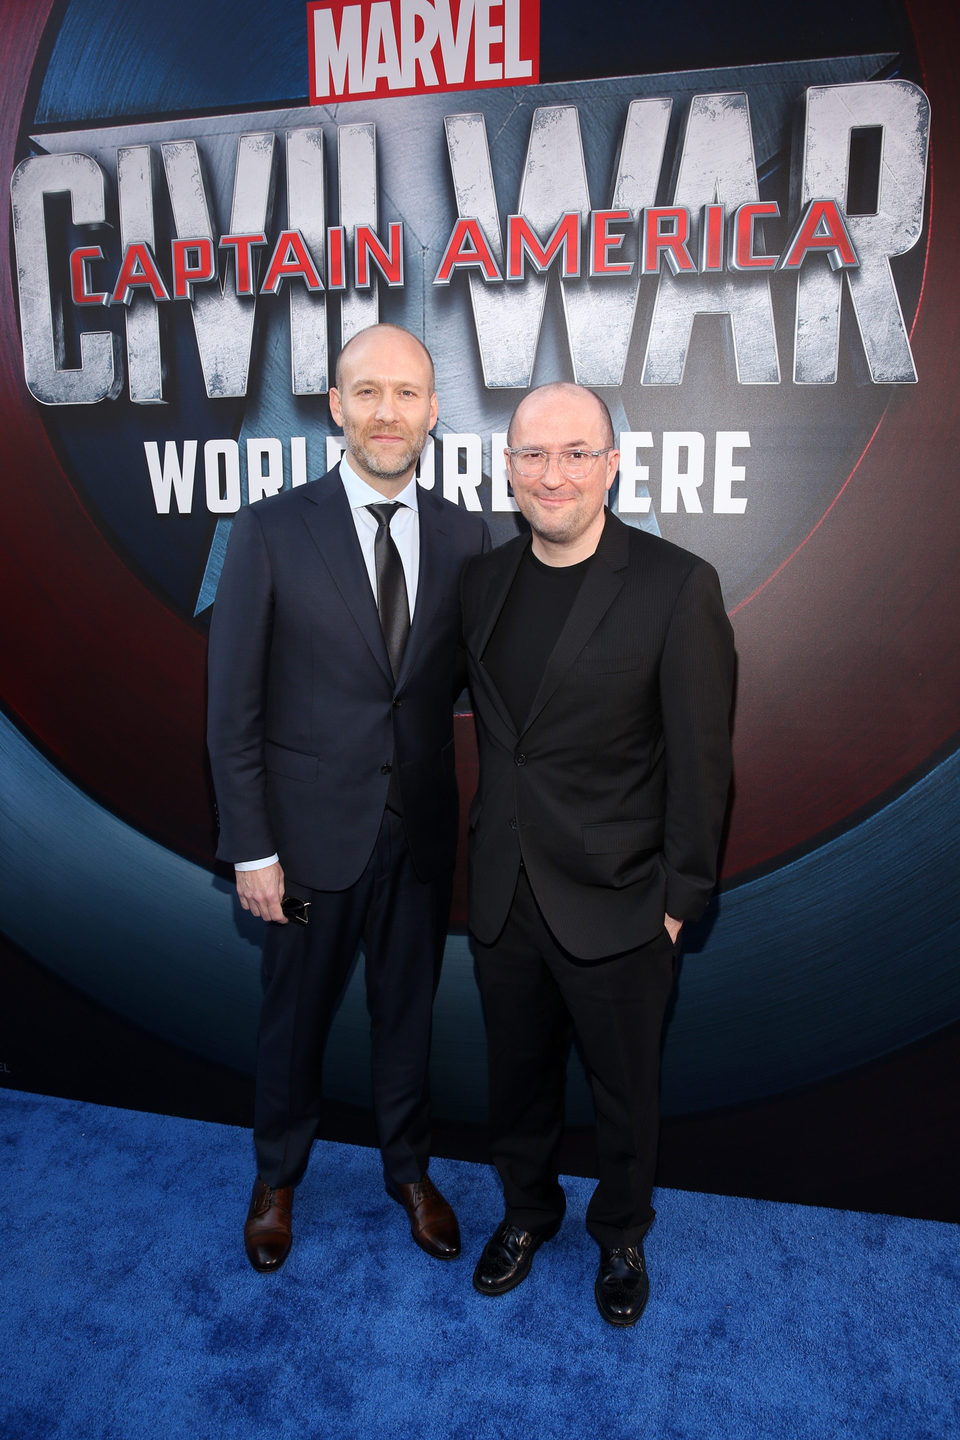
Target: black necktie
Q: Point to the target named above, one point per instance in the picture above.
(391, 586)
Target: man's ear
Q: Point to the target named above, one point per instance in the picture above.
(336, 409)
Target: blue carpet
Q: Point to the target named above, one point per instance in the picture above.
(128, 1310)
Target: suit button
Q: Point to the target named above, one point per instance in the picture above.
(513, 824)
(385, 769)
(520, 759)
(397, 703)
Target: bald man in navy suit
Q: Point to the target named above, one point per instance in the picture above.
(334, 663)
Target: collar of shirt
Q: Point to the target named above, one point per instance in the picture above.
(360, 494)
(405, 527)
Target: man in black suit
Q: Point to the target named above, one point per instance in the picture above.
(601, 667)
(331, 742)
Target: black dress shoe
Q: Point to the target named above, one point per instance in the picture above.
(268, 1233)
(622, 1286)
(433, 1224)
(507, 1257)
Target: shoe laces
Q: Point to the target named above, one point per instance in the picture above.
(629, 1255)
(269, 1197)
(513, 1238)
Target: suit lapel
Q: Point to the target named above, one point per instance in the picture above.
(600, 586)
(430, 587)
(335, 535)
(502, 576)
(509, 557)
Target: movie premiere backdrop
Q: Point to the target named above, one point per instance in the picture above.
(742, 233)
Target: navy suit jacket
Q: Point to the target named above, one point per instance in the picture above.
(613, 788)
(305, 717)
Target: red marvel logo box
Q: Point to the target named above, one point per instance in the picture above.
(371, 49)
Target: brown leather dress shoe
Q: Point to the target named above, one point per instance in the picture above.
(268, 1234)
(432, 1222)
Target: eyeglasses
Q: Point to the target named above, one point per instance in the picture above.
(531, 462)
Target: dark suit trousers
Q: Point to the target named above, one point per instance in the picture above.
(536, 996)
(402, 923)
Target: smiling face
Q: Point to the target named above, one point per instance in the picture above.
(566, 516)
(385, 402)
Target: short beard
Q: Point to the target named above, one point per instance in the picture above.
(564, 531)
(386, 470)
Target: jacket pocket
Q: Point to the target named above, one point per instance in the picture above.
(623, 835)
(291, 763)
(611, 664)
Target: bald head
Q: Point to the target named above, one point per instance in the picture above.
(563, 390)
(385, 400)
(557, 429)
(373, 334)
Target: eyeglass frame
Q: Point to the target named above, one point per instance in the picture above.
(515, 450)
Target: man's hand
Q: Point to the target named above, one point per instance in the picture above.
(261, 891)
(672, 927)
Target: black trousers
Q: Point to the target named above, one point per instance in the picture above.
(402, 922)
(536, 996)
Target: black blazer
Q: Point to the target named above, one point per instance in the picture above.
(615, 786)
(304, 715)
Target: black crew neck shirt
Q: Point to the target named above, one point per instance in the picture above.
(528, 627)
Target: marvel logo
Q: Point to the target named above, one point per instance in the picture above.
(413, 47)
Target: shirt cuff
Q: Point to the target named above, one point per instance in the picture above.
(256, 864)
